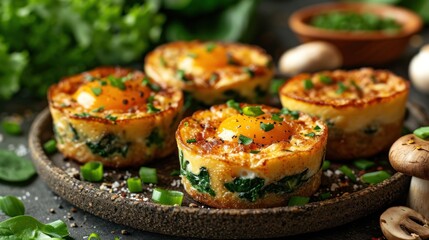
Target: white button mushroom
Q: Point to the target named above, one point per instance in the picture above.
(410, 155)
(310, 57)
(419, 70)
(402, 223)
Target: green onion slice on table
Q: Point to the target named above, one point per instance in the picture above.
(92, 171)
(167, 197)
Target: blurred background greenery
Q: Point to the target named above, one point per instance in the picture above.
(42, 41)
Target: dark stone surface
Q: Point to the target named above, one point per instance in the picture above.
(275, 36)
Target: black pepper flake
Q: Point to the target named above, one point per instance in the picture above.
(125, 101)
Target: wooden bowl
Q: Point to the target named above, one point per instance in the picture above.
(359, 48)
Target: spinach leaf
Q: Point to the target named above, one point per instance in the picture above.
(247, 188)
(108, 145)
(155, 138)
(287, 184)
(11, 206)
(201, 181)
(14, 168)
(27, 227)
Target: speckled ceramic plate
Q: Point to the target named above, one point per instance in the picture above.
(140, 213)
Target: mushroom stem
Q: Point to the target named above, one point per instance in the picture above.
(418, 196)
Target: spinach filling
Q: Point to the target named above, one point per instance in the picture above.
(155, 138)
(201, 181)
(252, 189)
(108, 145)
(74, 131)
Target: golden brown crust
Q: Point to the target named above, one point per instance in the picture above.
(207, 74)
(116, 137)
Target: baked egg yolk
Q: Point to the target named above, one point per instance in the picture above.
(261, 129)
(209, 57)
(102, 94)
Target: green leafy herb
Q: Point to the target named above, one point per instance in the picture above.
(92, 171)
(422, 132)
(287, 184)
(11, 206)
(375, 177)
(325, 79)
(99, 109)
(276, 117)
(356, 86)
(325, 195)
(200, 181)
(317, 128)
(117, 82)
(152, 109)
(252, 111)
(298, 201)
(155, 138)
(210, 47)
(13, 63)
(254, 151)
(348, 172)
(152, 86)
(175, 172)
(192, 140)
(363, 164)
(341, 88)
(111, 118)
(50, 146)
(11, 127)
(310, 134)
(267, 126)
(82, 115)
(247, 188)
(74, 132)
(108, 145)
(293, 114)
(97, 91)
(182, 75)
(167, 197)
(26, 227)
(14, 168)
(249, 71)
(233, 104)
(148, 175)
(308, 84)
(326, 164)
(134, 185)
(244, 140)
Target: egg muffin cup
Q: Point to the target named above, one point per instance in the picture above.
(230, 159)
(113, 115)
(212, 72)
(364, 109)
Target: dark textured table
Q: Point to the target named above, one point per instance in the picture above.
(275, 36)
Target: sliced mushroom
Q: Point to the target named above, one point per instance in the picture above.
(403, 223)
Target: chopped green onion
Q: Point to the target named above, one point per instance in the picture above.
(310, 134)
(252, 111)
(308, 84)
(82, 115)
(152, 109)
(148, 175)
(363, 164)
(134, 185)
(111, 118)
(94, 236)
(422, 132)
(293, 114)
(325, 79)
(325, 195)
(175, 172)
(117, 82)
(267, 126)
(341, 88)
(254, 151)
(167, 197)
(375, 177)
(276, 117)
(92, 171)
(11, 127)
(249, 71)
(152, 86)
(298, 201)
(186, 124)
(244, 140)
(275, 85)
(356, 86)
(50, 146)
(348, 172)
(233, 104)
(326, 164)
(97, 91)
(11, 206)
(210, 47)
(192, 140)
(317, 128)
(181, 75)
(99, 109)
